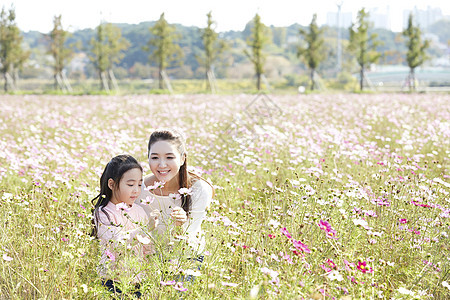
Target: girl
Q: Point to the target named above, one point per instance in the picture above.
(180, 196)
(118, 223)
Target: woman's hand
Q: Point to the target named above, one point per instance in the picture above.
(154, 219)
(179, 216)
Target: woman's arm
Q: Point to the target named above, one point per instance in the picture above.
(201, 198)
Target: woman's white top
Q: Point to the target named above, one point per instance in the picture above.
(200, 200)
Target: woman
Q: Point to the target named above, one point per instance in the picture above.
(180, 197)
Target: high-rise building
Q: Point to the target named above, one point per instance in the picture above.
(346, 19)
(380, 17)
(423, 18)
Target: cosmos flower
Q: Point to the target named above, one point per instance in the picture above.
(325, 226)
(300, 246)
(362, 266)
(122, 206)
(286, 232)
(142, 239)
(6, 257)
(185, 191)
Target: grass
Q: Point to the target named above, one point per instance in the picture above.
(373, 169)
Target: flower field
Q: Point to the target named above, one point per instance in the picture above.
(316, 196)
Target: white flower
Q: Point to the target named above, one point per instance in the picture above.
(404, 291)
(273, 274)
(185, 191)
(142, 239)
(122, 206)
(175, 197)
(334, 275)
(38, 226)
(149, 199)
(7, 258)
(192, 272)
(445, 284)
(274, 223)
(85, 288)
(361, 222)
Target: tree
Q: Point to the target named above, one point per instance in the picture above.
(314, 53)
(213, 48)
(164, 50)
(12, 56)
(415, 56)
(107, 51)
(363, 45)
(61, 54)
(257, 41)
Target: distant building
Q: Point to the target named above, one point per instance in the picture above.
(346, 19)
(423, 18)
(380, 17)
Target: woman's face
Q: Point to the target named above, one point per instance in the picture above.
(165, 161)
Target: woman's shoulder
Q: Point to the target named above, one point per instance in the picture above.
(201, 186)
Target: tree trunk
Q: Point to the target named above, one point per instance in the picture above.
(412, 78)
(56, 81)
(6, 81)
(361, 79)
(312, 80)
(160, 78)
(258, 81)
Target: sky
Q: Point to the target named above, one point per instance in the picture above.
(228, 14)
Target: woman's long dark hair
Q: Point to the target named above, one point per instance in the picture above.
(115, 169)
(184, 178)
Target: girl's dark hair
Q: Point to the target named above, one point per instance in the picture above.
(115, 169)
(184, 177)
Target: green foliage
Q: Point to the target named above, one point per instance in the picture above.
(257, 41)
(213, 47)
(107, 50)
(164, 50)
(416, 55)
(12, 56)
(362, 44)
(60, 53)
(314, 53)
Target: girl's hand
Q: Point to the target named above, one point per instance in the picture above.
(179, 216)
(154, 219)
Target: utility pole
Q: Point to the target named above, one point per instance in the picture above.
(339, 46)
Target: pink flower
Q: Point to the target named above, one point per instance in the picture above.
(269, 184)
(362, 266)
(325, 226)
(179, 287)
(403, 221)
(172, 282)
(122, 206)
(149, 199)
(64, 239)
(331, 263)
(156, 185)
(110, 255)
(326, 269)
(272, 236)
(286, 232)
(300, 246)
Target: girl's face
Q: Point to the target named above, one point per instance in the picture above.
(129, 187)
(165, 161)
